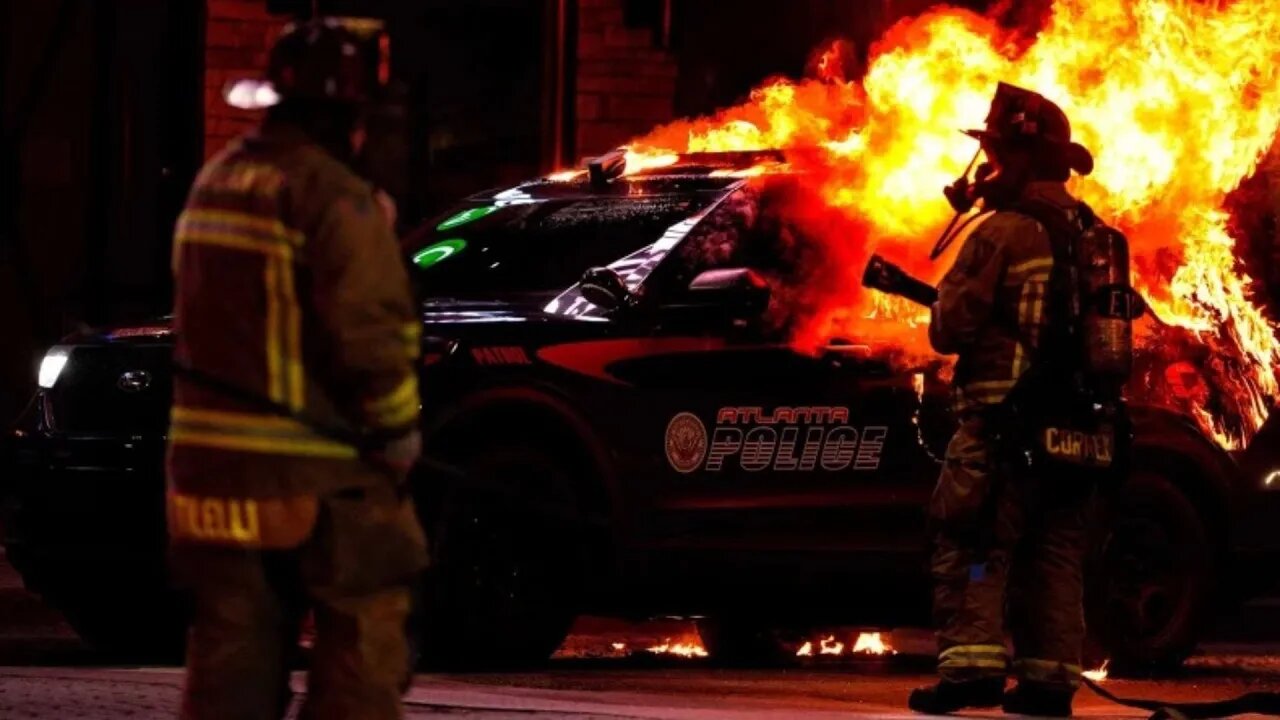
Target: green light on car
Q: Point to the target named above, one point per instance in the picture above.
(466, 216)
(438, 252)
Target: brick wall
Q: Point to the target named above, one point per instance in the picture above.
(238, 35)
(625, 83)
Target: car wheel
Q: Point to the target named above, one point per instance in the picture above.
(1152, 577)
(508, 562)
(738, 642)
(146, 629)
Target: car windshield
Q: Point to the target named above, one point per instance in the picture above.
(537, 248)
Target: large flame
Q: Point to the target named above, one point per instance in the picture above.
(1177, 99)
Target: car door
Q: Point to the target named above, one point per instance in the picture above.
(746, 441)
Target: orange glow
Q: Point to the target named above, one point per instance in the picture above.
(753, 171)
(872, 644)
(1177, 100)
(566, 175)
(687, 648)
(641, 160)
(867, 643)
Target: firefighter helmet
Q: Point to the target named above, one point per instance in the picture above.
(316, 60)
(1027, 118)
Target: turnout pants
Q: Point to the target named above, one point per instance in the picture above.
(1005, 540)
(354, 573)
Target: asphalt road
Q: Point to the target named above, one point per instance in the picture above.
(605, 670)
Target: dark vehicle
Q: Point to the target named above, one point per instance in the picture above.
(606, 361)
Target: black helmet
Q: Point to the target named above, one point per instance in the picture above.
(1022, 117)
(316, 60)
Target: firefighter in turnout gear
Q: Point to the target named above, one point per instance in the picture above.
(295, 415)
(997, 524)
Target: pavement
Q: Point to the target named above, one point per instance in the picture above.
(606, 669)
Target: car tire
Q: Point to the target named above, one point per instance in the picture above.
(1151, 577)
(137, 629)
(505, 581)
(738, 642)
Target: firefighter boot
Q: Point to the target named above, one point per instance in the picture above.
(948, 697)
(1037, 699)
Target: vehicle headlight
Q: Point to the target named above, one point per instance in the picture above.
(52, 365)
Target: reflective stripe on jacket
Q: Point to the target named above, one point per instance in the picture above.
(992, 303)
(288, 286)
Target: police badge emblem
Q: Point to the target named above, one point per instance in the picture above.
(686, 442)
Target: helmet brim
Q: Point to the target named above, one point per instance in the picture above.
(1078, 158)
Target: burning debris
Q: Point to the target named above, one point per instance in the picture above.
(1098, 675)
(1178, 100)
(866, 644)
(687, 648)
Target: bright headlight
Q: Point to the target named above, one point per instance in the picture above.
(51, 366)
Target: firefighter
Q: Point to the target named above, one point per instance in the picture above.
(991, 519)
(295, 411)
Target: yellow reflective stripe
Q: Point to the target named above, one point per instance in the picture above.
(251, 432)
(973, 650)
(411, 335)
(1040, 263)
(272, 445)
(956, 662)
(404, 416)
(1048, 671)
(182, 413)
(293, 368)
(981, 656)
(398, 407)
(234, 242)
(275, 378)
(1048, 665)
(990, 385)
(1030, 314)
(263, 225)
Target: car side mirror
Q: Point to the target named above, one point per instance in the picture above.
(604, 288)
(742, 291)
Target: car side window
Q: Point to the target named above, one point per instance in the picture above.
(753, 228)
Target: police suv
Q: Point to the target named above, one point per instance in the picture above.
(617, 422)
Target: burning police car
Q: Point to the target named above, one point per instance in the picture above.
(620, 421)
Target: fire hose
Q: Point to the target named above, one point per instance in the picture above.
(886, 277)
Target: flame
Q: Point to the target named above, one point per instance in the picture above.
(872, 644)
(830, 646)
(685, 648)
(566, 175)
(1098, 675)
(867, 643)
(1177, 99)
(639, 160)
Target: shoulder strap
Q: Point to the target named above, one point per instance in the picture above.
(1056, 222)
(1064, 300)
